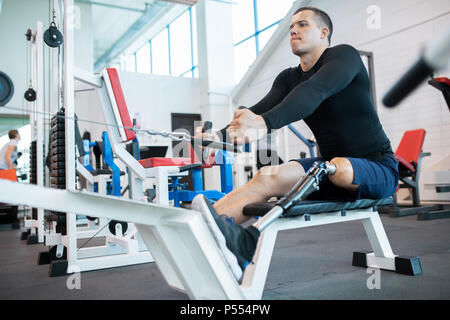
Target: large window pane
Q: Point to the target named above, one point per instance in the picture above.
(128, 62)
(270, 11)
(187, 74)
(243, 20)
(194, 34)
(160, 53)
(265, 36)
(195, 72)
(180, 45)
(244, 55)
(143, 59)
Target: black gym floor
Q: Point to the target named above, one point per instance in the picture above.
(311, 263)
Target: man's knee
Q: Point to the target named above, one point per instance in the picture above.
(278, 180)
(267, 175)
(343, 177)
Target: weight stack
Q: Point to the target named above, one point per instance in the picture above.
(57, 156)
(33, 173)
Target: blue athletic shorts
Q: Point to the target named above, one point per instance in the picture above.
(377, 180)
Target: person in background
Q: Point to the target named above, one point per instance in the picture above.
(8, 154)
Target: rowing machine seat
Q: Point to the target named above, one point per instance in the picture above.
(315, 207)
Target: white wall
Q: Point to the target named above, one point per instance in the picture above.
(405, 26)
(19, 15)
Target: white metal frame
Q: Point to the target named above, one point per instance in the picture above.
(36, 227)
(182, 245)
(117, 136)
(131, 248)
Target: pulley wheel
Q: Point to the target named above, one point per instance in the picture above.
(112, 226)
(30, 95)
(52, 36)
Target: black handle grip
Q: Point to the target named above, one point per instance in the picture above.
(217, 145)
(410, 81)
(207, 126)
(190, 167)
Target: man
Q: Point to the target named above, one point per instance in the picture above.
(330, 91)
(8, 154)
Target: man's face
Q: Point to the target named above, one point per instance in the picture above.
(305, 33)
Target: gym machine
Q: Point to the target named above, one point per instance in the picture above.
(6, 89)
(435, 57)
(34, 95)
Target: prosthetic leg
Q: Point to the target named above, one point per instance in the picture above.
(302, 189)
(238, 243)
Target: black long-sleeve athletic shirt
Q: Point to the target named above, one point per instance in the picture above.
(334, 100)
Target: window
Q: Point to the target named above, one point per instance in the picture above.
(265, 36)
(270, 12)
(180, 45)
(194, 42)
(244, 55)
(143, 59)
(243, 20)
(173, 51)
(160, 53)
(254, 22)
(128, 62)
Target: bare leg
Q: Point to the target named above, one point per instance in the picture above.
(269, 182)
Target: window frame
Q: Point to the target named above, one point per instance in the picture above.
(191, 30)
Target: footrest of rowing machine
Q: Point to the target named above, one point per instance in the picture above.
(315, 207)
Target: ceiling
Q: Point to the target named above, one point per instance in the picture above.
(117, 24)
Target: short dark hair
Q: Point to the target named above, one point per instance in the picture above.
(323, 16)
(12, 134)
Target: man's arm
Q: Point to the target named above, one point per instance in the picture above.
(338, 71)
(276, 94)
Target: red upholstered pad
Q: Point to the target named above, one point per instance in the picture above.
(410, 146)
(165, 162)
(444, 80)
(121, 103)
(169, 162)
(405, 163)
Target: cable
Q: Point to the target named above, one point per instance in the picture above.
(94, 235)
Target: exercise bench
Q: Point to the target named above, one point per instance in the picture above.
(184, 248)
(409, 155)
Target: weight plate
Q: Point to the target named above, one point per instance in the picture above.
(58, 165)
(6, 89)
(57, 186)
(57, 142)
(57, 150)
(58, 158)
(58, 135)
(57, 173)
(58, 180)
